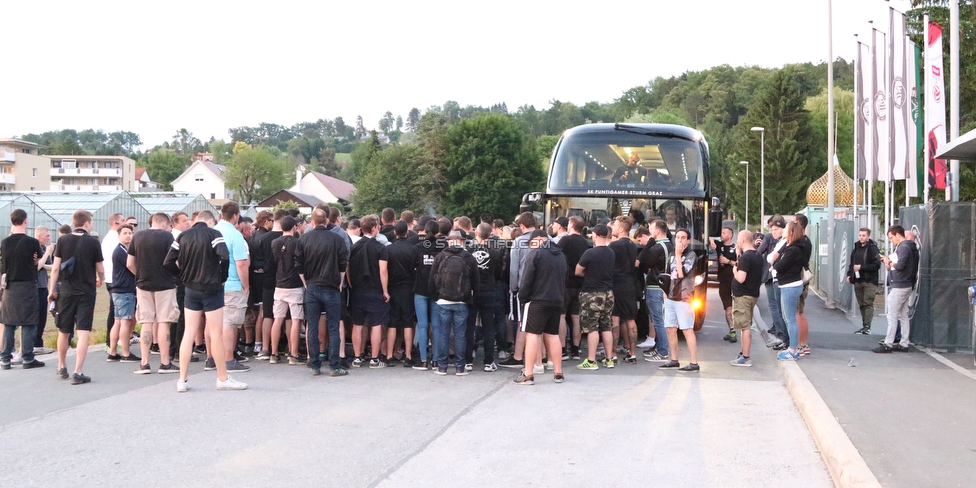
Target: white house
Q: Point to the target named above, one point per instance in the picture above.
(205, 178)
(323, 187)
(145, 183)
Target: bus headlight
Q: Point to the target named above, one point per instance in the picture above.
(699, 279)
(696, 304)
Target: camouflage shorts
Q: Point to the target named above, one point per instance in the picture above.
(595, 310)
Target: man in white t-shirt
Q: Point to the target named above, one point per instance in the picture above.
(109, 243)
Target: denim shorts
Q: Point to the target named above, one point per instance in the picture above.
(125, 305)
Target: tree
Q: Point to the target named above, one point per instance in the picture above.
(221, 151)
(790, 162)
(165, 165)
(305, 150)
(544, 146)
(413, 119)
(360, 128)
(185, 143)
(394, 177)
(489, 164)
(66, 147)
(327, 162)
(127, 141)
(399, 123)
(255, 174)
(340, 126)
(387, 122)
(361, 157)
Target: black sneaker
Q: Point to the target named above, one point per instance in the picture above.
(864, 331)
(521, 379)
(5, 365)
(338, 372)
(200, 349)
(895, 347)
(690, 368)
(78, 378)
(33, 364)
(113, 358)
(232, 367)
(210, 365)
(63, 373)
(168, 369)
(670, 365)
(143, 369)
(315, 371)
(781, 346)
(154, 349)
(882, 349)
(131, 358)
(422, 365)
(575, 354)
(510, 362)
(409, 362)
(558, 378)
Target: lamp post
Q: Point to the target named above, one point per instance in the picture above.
(762, 173)
(747, 192)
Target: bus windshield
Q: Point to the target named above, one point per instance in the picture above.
(599, 160)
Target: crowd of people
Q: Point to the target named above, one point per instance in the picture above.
(423, 292)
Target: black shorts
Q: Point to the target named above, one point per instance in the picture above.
(725, 293)
(199, 301)
(625, 304)
(75, 312)
(401, 308)
(256, 291)
(542, 318)
(267, 298)
(369, 309)
(572, 301)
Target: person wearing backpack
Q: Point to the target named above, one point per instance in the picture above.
(450, 284)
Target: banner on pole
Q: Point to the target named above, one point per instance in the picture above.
(865, 108)
(935, 108)
(915, 134)
(862, 113)
(898, 96)
(880, 170)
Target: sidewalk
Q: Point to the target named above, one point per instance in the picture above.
(910, 416)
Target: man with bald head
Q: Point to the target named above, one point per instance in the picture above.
(748, 274)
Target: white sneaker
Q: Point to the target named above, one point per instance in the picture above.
(550, 365)
(40, 351)
(231, 384)
(502, 355)
(17, 359)
(182, 388)
(648, 343)
(538, 369)
(491, 368)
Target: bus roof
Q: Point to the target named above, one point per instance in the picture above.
(677, 130)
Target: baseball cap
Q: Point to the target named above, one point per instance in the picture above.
(777, 223)
(601, 230)
(563, 221)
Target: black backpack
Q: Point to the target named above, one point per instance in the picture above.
(453, 279)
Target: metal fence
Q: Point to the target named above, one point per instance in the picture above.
(941, 313)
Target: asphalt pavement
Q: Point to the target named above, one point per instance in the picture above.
(631, 426)
(912, 417)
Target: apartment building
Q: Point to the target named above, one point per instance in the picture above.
(22, 168)
(93, 173)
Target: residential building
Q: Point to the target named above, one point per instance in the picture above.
(145, 183)
(22, 168)
(92, 173)
(205, 178)
(305, 202)
(323, 187)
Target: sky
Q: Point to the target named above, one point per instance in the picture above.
(155, 67)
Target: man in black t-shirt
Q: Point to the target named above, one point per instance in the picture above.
(597, 298)
(81, 255)
(624, 288)
(268, 267)
(368, 278)
(156, 305)
(488, 254)
(573, 245)
(745, 292)
(726, 255)
(289, 293)
(402, 275)
(19, 253)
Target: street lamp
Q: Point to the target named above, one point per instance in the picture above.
(747, 192)
(762, 173)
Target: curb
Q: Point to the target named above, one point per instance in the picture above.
(845, 464)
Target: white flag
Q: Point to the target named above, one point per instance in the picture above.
(882, 159)
(935, 108)
(865, 113)
(914, 118)
(898, 99)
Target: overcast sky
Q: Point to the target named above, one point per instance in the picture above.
(154, 67)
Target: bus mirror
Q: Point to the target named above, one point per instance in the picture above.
(533, 197)
(525, 207)
(714, 222)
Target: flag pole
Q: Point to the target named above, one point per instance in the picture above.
(857, 116)
(926, 82)
(954, 90)
(830, 303)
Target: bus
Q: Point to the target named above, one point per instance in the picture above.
(648, 171)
